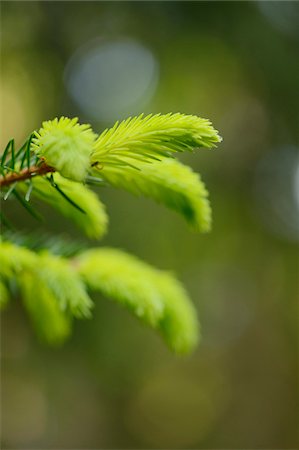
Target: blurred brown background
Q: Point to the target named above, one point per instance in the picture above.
(114, 384)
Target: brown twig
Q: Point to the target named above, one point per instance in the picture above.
(25, 174)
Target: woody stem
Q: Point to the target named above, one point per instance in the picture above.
(25, 174)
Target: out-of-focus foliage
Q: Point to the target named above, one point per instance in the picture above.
(93, 221)
(51, 323)
(168, 182)
(236, 63)
(154, 296)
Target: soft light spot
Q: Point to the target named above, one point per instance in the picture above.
(109, 80)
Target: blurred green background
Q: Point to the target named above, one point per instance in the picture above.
(114, 384)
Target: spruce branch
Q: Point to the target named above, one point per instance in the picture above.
(169, 182)
(154, 296)
(149, 138)
(65, 145)
(25, 174)
(54, 291)
(55, 165)
(94, 221)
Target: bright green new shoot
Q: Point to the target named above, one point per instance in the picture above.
(58, 165)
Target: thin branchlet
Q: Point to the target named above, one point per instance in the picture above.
(25, 174)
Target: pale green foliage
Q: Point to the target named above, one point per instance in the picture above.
(168, 182)
(50, 287)
(56, 273)
(54, 290)
(61, 279)
(51, 323)
(152, 137)
(135, 155)
(42, 293)
(93, 221)
(179, 325)
(154, 296)
(14, 259)
(123, 278)
(66, 146)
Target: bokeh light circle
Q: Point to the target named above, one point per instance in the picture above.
(177, 405)
(275, 192)
(111, 79)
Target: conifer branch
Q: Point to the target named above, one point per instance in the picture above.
(54, 165)
(25, 174)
